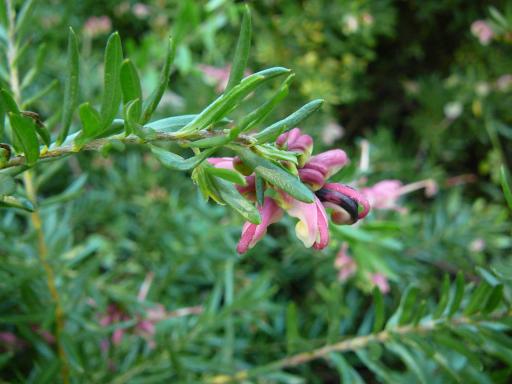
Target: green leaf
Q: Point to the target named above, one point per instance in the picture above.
(292, 328)
(276, 176)
(9, 105)
(227, 174)
(206, 184)
(242, 50)
(91, 122)
(170, 124)
(272, 132)
(260, 190)
(443, 300)
(7, 185)
(131, 113)
(154, 99)
(229, 100)
(347, 373)
(111, 82)
(458, 294)
(405, 311)
(174, 161)
(14, 202)
(208, 142)
(25, 15)
(457, 346)
(36, 66)
(494, 299)
(378, 303)
(25, 131)
(130, 85)
(478, 299)
(506, 185)
(236, 201)
(410, 361)
(71, 86)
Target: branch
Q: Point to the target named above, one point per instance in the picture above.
(351, 344)
(96, 145)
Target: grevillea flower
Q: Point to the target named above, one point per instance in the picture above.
(482, 31)
(345, 203)
(380, 281)
(345, 264)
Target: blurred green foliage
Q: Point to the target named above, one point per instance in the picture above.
(412, 95)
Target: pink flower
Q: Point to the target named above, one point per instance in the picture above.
(95, 26)
(218, 75)
(380, 281)
(321, 167)
(384, 195)
(345, 264)
(312, 228)
(252, 233)
(482, 31)
(10, 342)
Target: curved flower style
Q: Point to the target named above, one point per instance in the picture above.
(346, 204)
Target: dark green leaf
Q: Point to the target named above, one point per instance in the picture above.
(25, 131)
(9, 105)
(25, 15)
(292, 328)
(276, 176)
(242, 51)
(494, 299)
(378, 303)
(346, 372)
(506, 185)
(443, 300)
(111, 83)
(478, 299)
(154, 99)
(272, 132)
(457, 295)
(71, 86)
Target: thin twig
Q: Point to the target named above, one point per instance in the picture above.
(28, 179)
(351, 344)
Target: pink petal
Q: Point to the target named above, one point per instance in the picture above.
(312, 177)
(323, 226)
(221, 162)
(333, 160)
(252, 233)
(353, 194)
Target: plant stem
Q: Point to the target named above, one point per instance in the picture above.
(97, 144)
(28, 180)
(350, 344)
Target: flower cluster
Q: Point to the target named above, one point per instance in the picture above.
(345, 204)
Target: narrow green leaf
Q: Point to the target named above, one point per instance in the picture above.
(410, 361)
(228, 101)
(405, 311)
(458, 294)
(242, 51)
(174, 161)
(272, 132)
(376, 367)
(378, 303)
(260, 190)
(236, 201)
(506, 185)
(131, 112)
(25, 131)
(91, 120)
(71, 86)
(208, 142)
(276, 175)
(227, 174)
(40, 94)
(443, 299)
(7, 185)
(14, 202)
(292, 328)
(346, 372)
(206, 184)
(478, 299)
(461, 348)
(36, 66)
(494, 299)
(111, 83)
(8, 102)
(154, 99)
(25, 16)
(130, 85)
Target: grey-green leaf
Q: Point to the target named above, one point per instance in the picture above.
(235, 200)
(15, 202)
(174, 161)
(276, 176)
(273, 131)
(71, 86)
(229, 100)
(227, 174)
(154, 99)
(242, 51)
(130, 85)
(25, 131)
(111, 82)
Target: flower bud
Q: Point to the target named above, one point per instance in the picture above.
(295, 141)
